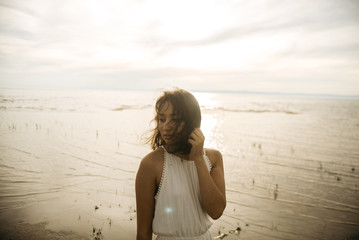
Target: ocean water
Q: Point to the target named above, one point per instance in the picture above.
(69, 158)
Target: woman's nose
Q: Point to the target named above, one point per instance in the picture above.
(168, 125)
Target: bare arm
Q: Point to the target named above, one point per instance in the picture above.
(145, 190)
(212, 185)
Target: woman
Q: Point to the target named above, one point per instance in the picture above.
(179, 184)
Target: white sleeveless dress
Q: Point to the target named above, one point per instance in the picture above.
(178, 211)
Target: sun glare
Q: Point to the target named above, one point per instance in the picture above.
(206, 100)
(211, 123)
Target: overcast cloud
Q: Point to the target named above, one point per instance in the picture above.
(270, 46)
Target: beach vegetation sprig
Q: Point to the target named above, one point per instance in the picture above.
(97, 234)
(275, 193)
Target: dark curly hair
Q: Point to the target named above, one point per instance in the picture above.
(186, 107)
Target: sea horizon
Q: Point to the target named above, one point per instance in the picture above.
(241, 92)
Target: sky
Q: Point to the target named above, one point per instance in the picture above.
(306, 46)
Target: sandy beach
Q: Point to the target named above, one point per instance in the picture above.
(69, 159)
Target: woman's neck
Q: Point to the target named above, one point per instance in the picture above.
(170, 149)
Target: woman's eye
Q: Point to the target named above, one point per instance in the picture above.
(162, 120)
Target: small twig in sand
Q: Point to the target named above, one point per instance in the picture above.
(230, 232)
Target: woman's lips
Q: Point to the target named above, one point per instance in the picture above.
(167, 136)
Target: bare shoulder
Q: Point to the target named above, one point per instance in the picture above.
(152, 164)
(214, 156)
(153, 158)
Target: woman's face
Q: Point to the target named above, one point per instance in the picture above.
(167, 122)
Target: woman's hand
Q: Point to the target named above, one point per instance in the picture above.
(211, 183)
(196, 139)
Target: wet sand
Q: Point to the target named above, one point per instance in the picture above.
(291, 165)
(21, 230)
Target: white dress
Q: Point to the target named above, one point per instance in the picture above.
(178, 211)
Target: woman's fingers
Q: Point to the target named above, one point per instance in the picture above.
(197, 134)
(196, 137)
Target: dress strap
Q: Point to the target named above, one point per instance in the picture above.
(163, 172)
(206, 159)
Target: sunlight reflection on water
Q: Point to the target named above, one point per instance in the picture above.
(211, 122)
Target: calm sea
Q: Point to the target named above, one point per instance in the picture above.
(69, 158)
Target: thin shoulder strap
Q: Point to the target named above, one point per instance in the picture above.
(206, 159)
(163, 172)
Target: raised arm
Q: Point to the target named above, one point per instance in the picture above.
(145, 191)
(212, 185)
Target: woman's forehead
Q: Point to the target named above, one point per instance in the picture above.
(167, 108)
